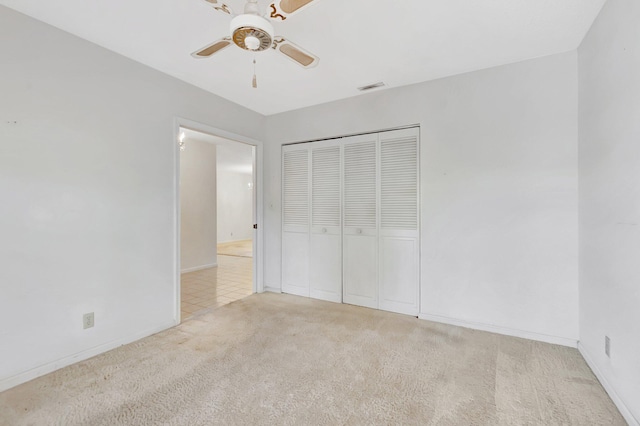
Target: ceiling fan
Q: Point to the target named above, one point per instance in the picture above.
(254, 32)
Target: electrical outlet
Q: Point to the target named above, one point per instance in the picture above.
(607, 346)
(87, 320)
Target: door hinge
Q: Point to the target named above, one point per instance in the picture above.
(255, 226)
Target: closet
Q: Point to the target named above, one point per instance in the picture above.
(350, 227)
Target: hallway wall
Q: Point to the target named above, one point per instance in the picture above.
(235, 191)
(235, 206)
(198, 206)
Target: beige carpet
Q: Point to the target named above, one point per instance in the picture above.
(285, 360)
(236, 248)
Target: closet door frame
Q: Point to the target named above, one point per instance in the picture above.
(346, 232)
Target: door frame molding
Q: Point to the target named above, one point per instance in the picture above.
(258, 243)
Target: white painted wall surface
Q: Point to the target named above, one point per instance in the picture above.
(198, 218)
(235, 206)
(87, 210)
(609, 59)
(499, 178)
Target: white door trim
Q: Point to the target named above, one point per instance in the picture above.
(258, 252)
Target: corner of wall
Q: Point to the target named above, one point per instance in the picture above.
(606, 384)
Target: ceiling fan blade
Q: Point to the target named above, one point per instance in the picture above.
(295, 53)
(219, 6)
(212, 48)
(282, 9)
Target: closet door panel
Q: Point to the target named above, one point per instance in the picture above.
(325, 267)
(399, 274)
(295, 265)
(360, 272)
(295, 220)
(399, 250)
(325, 274)
(360, 233)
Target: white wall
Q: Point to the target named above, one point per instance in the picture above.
(235, 206)
(87, 217)
(499, 190)
(609, 60)
(198, 218)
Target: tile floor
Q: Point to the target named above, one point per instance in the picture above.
(242, 248)
(207, 289)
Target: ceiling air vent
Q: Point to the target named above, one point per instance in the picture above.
(371, 86)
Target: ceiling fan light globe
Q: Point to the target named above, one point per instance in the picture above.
(252, 43)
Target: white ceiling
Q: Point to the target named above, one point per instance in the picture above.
(358, 41)
(231, 156)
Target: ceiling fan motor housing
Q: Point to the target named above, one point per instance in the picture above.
(252, 32)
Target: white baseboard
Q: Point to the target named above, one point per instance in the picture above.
(198, 268)
(50, 367)
(624, 410)
(272, 289)
(556, 340)
(235, 241)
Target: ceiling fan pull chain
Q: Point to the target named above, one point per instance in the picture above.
(255, 80)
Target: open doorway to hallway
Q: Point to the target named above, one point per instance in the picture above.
(217, 202)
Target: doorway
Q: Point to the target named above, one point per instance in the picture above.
(218, 210)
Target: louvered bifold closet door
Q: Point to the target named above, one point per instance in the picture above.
(295, 219)
(399, 236)
(325, 261)
(360, 221)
